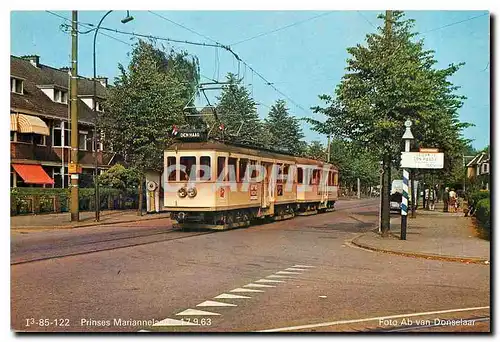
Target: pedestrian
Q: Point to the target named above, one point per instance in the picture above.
(432, 199)
(446, 196)
(452, 202)
(436, 189)
(426, 206)
(424, 198)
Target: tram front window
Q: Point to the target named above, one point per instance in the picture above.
(187, 165)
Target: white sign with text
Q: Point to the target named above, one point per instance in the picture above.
(420, 160)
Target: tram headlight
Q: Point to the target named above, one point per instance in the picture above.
(192, 192)
(182, 192)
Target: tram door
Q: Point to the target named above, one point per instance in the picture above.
(266, 192)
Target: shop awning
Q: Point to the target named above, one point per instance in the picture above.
(23, 123)
(32, 174)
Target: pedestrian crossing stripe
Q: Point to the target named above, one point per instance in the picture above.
(303, 266)
(193, 312)
(230, 296)
(269, 281)
(258, 285)
(279, 276)
(245, 290)
(295, 269)
(286, 272)
(214, 303)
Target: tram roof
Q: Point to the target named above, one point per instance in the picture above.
(240, 148)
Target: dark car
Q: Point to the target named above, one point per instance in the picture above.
(395, 202)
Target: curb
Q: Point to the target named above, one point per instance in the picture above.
(465, 260)
(90, 224)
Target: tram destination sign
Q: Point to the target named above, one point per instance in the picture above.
(189, 134)
(422, 160)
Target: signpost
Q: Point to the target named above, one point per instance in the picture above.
(422, 160)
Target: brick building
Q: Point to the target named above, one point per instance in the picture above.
(40, 126)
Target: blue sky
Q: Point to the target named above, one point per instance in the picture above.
(302, 61)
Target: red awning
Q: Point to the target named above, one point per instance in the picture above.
(32, 174)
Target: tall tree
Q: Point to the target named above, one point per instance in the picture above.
(316, 150)
(283, 130)
(237, 113)
(391, 79)
(146, 100)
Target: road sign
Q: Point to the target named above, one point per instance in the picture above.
(428, 150)
(419, 160)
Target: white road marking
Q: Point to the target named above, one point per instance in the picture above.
(286, 272)
(214, 303)
(172, 322)
(258, 285)
(303, 266)
(144, 331)
(299, 327)
(239, 289)
(279, 276)
(269, 281)
(230, 296)
(295, 269)
(193, 312)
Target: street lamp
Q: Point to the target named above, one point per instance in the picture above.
(96, 183)
(407, 137)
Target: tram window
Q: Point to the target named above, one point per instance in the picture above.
(172, 176)
(300, 175)
(232, 164)
(242, 169)
(330, 178)
(335, 179)
(286, 168)
(254, 169)
(221, 163)
(189, 163)
(205, 160)
(315, 177)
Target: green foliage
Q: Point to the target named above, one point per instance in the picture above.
(282, 131)
(315, 150)
(354, 163)
(390, 79)
(119, 177)
(475, 197)
(483, 215)
(146, 100)
(237, 111)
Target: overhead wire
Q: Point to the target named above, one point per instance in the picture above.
(89, 26)
(455, 23)
(282, 28)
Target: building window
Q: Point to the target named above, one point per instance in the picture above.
(40, 140)
(16, 85)
(486, 167)
(60, 96)
(82, 140)
(25, 137)
(57, 135)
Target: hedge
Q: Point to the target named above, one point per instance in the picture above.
(477, 196)
(46, 200)
(483, 216)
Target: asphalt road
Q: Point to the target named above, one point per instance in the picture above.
(301, 271)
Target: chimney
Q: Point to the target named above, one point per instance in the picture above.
(102, 80)
(33, 59)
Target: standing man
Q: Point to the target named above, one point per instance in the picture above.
(427, 198)
(432, 198)
(446, 196)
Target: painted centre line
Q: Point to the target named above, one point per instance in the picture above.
(286, 272)
(308, 326)
(214, 303)
(269, 281)
(230, 296)
(258, 285)
(239, 289)
(193, 312)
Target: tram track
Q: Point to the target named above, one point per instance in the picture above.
(131, 240)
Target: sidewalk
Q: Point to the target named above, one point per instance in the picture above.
(62, 220)
(432, 235)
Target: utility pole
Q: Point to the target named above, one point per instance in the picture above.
(74, 207)
(359, 185)
(328, 148)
